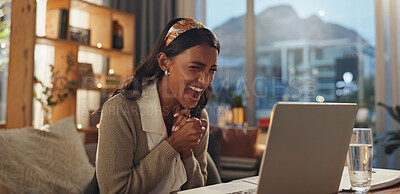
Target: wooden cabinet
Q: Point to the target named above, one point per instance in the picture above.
(107, 62)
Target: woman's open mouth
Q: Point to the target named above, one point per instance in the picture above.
(193, 92)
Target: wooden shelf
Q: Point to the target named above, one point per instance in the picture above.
(104, 51)
(55, 42)
(99, 21)
(82, 46)
(106, 90)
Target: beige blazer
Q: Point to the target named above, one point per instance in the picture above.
(124, 161)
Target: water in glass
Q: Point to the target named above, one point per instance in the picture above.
(359, 159)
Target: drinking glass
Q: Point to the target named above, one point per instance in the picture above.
(359, 159)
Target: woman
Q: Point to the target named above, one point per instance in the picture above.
(154, 131)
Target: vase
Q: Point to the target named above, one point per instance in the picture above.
(47, 115)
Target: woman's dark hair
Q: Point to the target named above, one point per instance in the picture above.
(149, 71)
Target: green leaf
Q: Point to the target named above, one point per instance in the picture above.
(391, 147)
(398, 112)
(390, 110)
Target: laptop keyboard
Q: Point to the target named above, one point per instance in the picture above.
(249, 191)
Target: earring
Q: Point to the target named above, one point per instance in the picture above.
(167, 73)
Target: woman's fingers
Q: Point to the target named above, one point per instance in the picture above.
(199, 125)
(180, 120)
(196, 121)
(204, 124)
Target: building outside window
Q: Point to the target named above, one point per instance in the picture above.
(305, 51)
(229, 82)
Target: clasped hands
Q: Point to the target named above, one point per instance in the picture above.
(186, 132)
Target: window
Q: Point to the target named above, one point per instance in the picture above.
(230, 79)
(5, 29)
(305, 50)
(324, 48)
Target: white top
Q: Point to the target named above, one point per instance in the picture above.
(154, 126)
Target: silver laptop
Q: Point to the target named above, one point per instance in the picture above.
(306, 147)
(305, 151)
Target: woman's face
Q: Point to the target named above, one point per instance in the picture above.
(191, 72)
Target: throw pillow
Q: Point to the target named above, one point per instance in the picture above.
(47, 160)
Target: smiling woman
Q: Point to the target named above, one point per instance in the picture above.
(154, 131)
(193, 72)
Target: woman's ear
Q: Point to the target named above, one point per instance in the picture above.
(163, 61)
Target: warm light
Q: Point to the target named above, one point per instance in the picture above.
(321, 12)
(79, 126)
(111, 71)
(99, 85)
(320, 98)
(3, 45)
(98, 125)
(99, 45)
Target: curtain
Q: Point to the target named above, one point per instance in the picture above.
(151, 18)
(387, 80)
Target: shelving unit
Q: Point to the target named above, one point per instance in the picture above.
(100, 23)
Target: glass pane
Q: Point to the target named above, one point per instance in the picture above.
(315, 50)
(226, 18)
(5, 29)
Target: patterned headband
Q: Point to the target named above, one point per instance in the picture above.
(180, 27)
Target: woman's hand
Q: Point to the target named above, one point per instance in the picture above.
(203, 124)
(187, 133)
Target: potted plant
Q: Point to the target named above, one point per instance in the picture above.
(62, 86)
(391, 139)
(238, 110)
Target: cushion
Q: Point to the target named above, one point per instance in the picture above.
(240, 142)
(47, 160)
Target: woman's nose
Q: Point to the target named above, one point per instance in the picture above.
(205, 79)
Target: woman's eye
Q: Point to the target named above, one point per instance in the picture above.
(194, 67)
(214, 70)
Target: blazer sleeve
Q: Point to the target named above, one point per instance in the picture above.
(116, 172)
(196, 165)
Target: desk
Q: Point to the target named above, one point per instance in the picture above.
(251, 184)
(390, 190)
